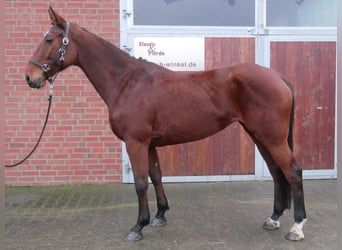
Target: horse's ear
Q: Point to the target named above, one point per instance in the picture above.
(56, 19)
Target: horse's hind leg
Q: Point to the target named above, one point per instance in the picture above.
(283, 157)
(282, 189)
(282, 199)
(156, 176)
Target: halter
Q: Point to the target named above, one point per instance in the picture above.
(46, 67)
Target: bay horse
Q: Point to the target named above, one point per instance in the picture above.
(150, 106)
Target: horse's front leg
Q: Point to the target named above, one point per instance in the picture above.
(156, 177)
(138, 155)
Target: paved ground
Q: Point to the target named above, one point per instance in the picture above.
(202, 216)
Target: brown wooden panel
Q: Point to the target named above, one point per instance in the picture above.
(229, 152)
(311, 67)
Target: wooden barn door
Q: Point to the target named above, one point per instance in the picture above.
(311, 67)
(230, 152)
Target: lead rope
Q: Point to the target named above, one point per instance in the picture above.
(41, 134)
(51, 81)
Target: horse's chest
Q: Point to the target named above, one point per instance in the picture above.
(117, 123)
(116, 128)
(129, 122)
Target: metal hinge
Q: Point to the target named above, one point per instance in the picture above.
(256, 32)
(126, 48)
(128, 168)
(126, 14)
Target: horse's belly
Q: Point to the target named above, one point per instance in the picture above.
(187, 131)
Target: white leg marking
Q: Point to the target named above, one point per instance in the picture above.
(297, 229)
(271, 224)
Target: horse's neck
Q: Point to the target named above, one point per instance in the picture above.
(103, 64)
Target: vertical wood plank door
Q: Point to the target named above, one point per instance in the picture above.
(311, 68)
(231, 151)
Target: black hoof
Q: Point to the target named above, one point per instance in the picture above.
(133, 236)
(156, 222)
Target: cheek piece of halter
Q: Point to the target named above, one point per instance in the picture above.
(46, 67)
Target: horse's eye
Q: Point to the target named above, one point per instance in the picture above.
(49, 40)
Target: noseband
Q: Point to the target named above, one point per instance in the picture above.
(46, 67)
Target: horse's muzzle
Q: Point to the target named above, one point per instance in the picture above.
(34, 84)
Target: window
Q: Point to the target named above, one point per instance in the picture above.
(301, 13)
(194, 12)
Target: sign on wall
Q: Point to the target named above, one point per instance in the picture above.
(175, 53)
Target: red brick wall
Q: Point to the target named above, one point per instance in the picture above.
(78, 145)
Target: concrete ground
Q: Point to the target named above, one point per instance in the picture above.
(202, 216)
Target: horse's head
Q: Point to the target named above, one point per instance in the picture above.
(52, 55)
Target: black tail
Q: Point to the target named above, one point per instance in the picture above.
(290, 136)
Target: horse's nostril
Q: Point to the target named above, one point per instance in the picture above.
(27, 78)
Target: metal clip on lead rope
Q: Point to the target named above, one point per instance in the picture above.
(50, 88)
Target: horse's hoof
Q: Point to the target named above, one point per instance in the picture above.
(270, 224)
(296, 232)
(156, 222)
(294, 237)
(133, 236)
